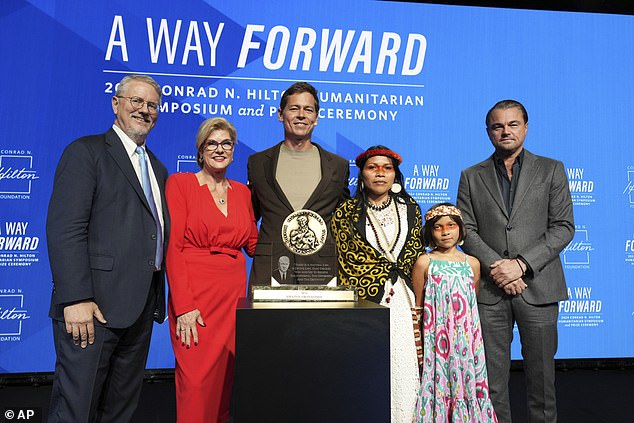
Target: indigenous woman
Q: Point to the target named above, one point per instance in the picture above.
(212, 221)
(379, 238)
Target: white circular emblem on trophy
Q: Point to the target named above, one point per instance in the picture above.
(304, 232)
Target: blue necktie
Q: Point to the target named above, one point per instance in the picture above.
(147, 190)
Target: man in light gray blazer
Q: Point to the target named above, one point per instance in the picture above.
(518, 213)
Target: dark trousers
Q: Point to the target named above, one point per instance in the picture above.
(537, 326)
(101, 383)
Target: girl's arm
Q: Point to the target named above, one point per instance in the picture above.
(419, 277)
(475, 267)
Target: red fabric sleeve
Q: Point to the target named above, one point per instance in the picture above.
(181, 296)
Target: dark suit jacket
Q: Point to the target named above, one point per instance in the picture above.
(101, 233)
(290, 277)
(538, 229)
(270, 203)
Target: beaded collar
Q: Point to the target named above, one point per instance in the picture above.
(385, 247)
(383, 206)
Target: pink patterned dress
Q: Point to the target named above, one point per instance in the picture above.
(454, 384)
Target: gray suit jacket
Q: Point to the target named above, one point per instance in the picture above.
(100, 231)
(270, 203)
(538, 229)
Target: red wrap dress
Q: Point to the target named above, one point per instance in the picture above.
(206, 270)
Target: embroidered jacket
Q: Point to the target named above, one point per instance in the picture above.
(359, 263)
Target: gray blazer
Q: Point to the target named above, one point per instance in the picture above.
(538, 229)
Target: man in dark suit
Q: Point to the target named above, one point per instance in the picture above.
(518, 213)
(106, 229)
(295, 174)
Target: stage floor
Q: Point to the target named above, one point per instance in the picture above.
(583, 396)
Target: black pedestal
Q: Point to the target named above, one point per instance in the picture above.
(312, 362)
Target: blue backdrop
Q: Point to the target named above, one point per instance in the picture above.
(418, 78)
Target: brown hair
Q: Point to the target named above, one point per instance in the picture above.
(298, 88)
(507, 104)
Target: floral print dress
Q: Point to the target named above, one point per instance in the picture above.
(454, 384)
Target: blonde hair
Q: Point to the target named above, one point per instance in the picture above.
(206, 128)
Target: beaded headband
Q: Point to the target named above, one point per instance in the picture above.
(443, 211)
(371, 153)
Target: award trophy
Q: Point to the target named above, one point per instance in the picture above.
(306, 270)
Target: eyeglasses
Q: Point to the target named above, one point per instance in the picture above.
(213, 145)
(137, 103)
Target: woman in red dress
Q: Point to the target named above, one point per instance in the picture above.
(212, 221)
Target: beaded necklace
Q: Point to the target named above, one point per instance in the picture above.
(379, 234)
(382, 206)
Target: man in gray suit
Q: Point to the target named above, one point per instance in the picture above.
(517, 210)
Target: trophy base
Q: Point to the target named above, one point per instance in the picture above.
(301, 293)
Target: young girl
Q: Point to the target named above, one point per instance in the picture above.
(454, 385)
